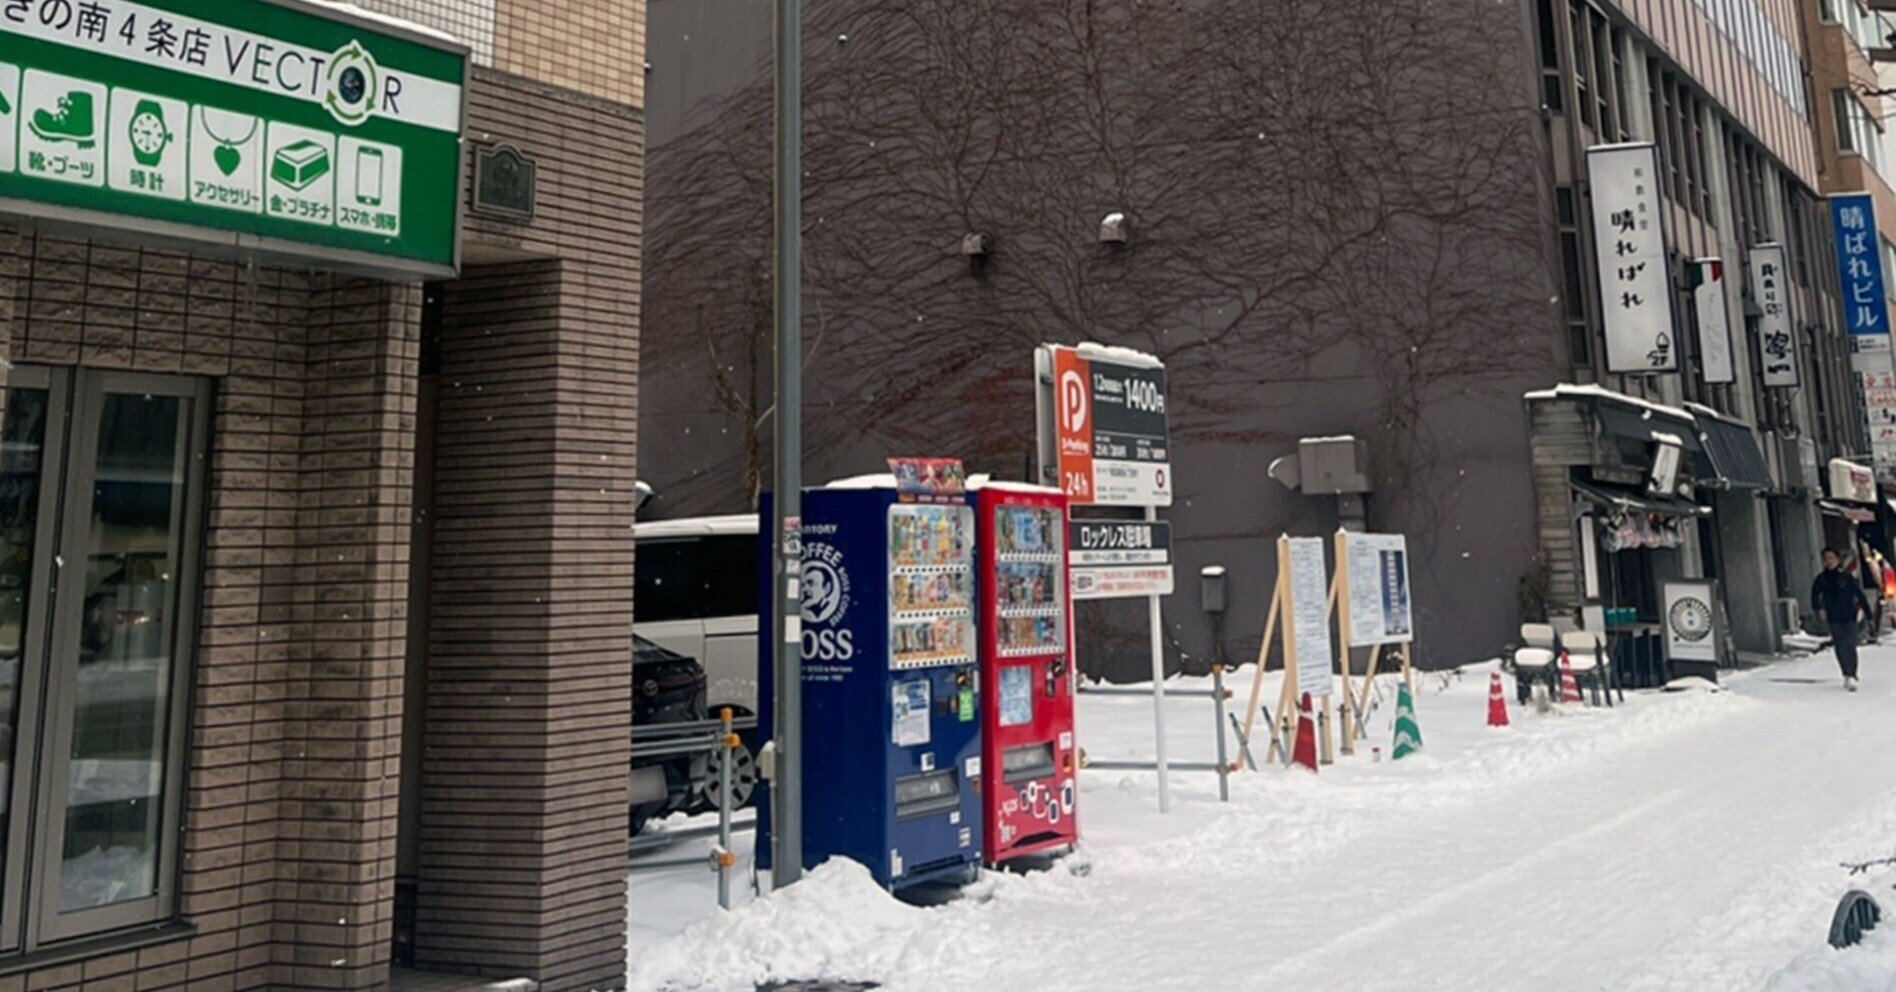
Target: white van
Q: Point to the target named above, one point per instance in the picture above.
(696, 590)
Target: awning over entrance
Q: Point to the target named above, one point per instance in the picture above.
(1633, 500)
(1736, 459)
(1854, 514)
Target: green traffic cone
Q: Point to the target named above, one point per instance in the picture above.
(1408, 732)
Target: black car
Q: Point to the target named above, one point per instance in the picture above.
(667, 688)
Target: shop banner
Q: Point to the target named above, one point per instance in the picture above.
(1777, 346)
(1714, 321)
(1379, 608)
(250, 127)
(1119, 559)
(1860, 264)
(1630, 248)
(1111, 436)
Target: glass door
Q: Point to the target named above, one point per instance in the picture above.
(116, 693)
(30, 436)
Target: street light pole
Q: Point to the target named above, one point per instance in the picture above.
(786, 794)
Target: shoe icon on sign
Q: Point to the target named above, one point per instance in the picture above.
(70, 121)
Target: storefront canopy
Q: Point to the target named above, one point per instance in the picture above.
(1737, 462)
(1633, 500)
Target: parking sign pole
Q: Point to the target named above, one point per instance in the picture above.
(786, 793)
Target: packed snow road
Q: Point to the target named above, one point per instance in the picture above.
(1679, 842)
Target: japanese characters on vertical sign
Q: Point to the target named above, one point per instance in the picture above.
(1875, 368)
(1714, 321)
(1630, 249)
(1777, 347)
(1866, 316)
(1860, 264)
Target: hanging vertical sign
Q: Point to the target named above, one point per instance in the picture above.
(1714, 321)
(1875, 368)
(1777, 348)
(1859, 264)
(1866, 315)
(1630, 250)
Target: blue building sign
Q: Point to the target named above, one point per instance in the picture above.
(1860, 264)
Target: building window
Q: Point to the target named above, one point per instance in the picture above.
(1551, 93)
(1582, 62)
(101, 492)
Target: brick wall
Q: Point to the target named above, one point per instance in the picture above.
(523, 861)
(293, 777)
(289, 817)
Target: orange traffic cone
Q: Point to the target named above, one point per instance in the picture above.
(1569, 686)
(1305, 751)
(1497, 703)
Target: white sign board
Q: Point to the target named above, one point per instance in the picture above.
(1310, 615)
(1630, 247)
(1119, 559)
(1691, 627)
(1777, 347)
(1714, 321)
(1380, 607)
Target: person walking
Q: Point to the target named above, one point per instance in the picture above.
(1839, 601)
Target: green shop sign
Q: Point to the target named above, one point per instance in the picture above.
(280, 130)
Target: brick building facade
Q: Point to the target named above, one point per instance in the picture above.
(405, 662)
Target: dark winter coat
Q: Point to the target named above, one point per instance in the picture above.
(1837, 595)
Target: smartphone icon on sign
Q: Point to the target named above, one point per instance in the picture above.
(369, 176)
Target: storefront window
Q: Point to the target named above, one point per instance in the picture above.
(92, 673)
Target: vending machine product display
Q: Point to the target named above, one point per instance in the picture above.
(1029, 757)
(891, 686)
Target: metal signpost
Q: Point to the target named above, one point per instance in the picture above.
(786, 794)
(247, 129)
(1105, 440)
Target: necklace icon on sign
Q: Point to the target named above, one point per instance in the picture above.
(229, 153)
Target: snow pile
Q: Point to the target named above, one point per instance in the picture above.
(837, 924)
(1869, 965)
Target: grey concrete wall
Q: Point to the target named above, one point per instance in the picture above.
(1340, 224)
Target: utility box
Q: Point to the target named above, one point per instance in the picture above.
(1333, 465)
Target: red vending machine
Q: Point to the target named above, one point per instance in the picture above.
(1028, 752)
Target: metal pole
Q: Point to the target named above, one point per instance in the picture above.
(1158, 691)
(727, 752)
(786, 794)
(1218, 725)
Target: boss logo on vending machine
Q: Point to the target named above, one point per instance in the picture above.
(825, 590)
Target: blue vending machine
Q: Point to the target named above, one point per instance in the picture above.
(891, 708)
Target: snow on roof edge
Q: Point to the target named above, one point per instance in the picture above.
(1568, 390)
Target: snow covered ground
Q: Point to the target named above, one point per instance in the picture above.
(1683, 841)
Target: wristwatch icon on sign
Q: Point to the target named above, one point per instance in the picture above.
(150, 137)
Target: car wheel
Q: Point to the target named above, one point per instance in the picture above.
(743, 777)
(1856, 915)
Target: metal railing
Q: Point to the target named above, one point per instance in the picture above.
(692, 737)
